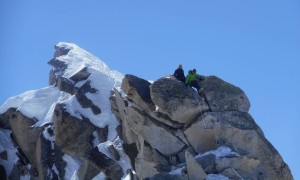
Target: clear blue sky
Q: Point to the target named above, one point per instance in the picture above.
(252, 44)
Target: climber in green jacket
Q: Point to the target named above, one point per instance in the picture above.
(191, 80)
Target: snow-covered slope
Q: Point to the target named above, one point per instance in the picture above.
(39, 105)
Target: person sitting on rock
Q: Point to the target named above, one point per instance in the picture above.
(191, 81)
(179, 74)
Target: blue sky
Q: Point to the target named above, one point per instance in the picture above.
(254, 45)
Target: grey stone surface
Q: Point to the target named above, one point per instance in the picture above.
(69, 134)
(233, 129)
(247, 168)
(48, 156)
(137, 90)
(223, 96)
(24, 134)
(195, 171)
(181, 103)
(157, 136)
(5, 117)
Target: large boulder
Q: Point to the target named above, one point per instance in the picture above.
(60, 51)
(69, 132)
(237, 167)
(104, 164)
(128, 135)
(223, 96)
(49, 156)
(136, 122)
(194, 169)
(64, 84)
(87, 170)
(158, 136)
(149, 162)
(25, 135)
(233, 129)
(4, 118)
(181, 103)
(137, 90)
(82, 74)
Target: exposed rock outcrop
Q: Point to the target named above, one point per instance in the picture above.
(98, 123)
(194, 169)
(186, 122)
(174, 99)
(24, 134)
(60, 138)
(69, 131)
(223, 96)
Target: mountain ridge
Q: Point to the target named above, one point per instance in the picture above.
(121, 126)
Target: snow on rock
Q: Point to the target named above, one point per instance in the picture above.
(216, 177)
(7, 146)
(117, 143)
(35, 104)
(81, 95)
(77, 58)
(25, 177)
(101, 78)
(178, 171)
(222, 151)
(39, 105)
(100, 176)
(72, 167)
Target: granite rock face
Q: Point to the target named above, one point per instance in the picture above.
(186, 121)
(223, 96)
(99, 123)
(174, 99)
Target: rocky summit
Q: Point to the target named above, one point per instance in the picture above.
(95, 123)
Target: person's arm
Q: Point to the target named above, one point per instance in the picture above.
(187, 79)
(175, 73)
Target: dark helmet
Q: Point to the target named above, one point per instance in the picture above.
(194, 70)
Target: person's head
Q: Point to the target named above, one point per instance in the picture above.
(180, 66)
(194, 71)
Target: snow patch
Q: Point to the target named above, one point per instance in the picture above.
(78, 58)
(100, 176)
(156, 108)
(124, 160)
(178, 171)
(7, 145)
(33, 104)
(221, 152)
(25, 177)
(72, 167)
(216, 177)
(122, 93)
(47, 135)
(95, 139)
(54, 168)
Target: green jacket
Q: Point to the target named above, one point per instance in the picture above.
(190, 77)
